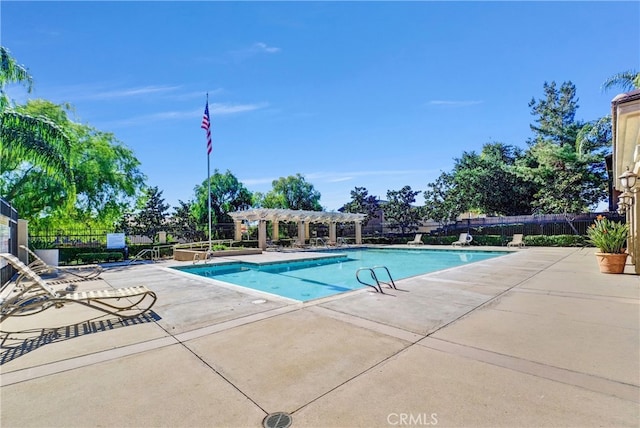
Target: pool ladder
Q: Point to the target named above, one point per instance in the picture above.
(372, 272)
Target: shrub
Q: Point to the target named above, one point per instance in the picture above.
(555, 241)
(100, 257)
(608, 236)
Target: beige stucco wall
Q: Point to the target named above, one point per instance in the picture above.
(626, 154)
(23, 239)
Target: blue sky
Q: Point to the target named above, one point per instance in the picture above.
(370, 94)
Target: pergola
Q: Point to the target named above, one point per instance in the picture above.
(303, 218)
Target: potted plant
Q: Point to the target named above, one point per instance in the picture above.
(610, 237)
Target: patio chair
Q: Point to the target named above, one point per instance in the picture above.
(300, 244)
(517, 241)
(40, 267)
(417, 240)
(38, 296)
(464, 239)
(271, 246)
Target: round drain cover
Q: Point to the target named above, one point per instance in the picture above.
(277, 420)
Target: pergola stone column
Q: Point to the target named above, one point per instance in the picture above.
(276, 232)
(301, 232)
(262, 234)
(302, 217)
(237, 232)
(358, 232)
(332, 232)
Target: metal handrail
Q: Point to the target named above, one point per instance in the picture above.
(389, 284)
(377, 285)
(373, 276)
(204, 244)
(155, 254)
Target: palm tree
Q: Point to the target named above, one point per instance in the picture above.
(627, 81)
(25, 138)
(11, 72)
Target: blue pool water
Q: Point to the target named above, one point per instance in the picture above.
(335, 272)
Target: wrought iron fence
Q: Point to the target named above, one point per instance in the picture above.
(548, 225)
(88, 237)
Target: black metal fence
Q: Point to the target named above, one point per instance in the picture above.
(88, 237)
(548, 225)
(8, 237)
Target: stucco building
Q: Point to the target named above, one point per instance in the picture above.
(625, 114)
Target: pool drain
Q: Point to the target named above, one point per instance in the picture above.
(277, 420)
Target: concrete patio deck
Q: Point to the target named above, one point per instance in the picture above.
(535, 338)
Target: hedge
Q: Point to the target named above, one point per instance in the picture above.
(499, 240)
(106, 256)
(72, 255)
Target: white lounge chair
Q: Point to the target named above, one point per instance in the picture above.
(517, 241)
(417, 240)
(36, 296)
(342, 242)
(40, 267)
(464, 239)
(271, 246)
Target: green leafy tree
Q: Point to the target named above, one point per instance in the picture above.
(399, 212)
(11, 72)
(626, 81)
(227, 195)
(362, 203)
(106, 177)
(152, 218)
(293, 192)
(555, 115)
(184, 224)
(564, 161)
(594, 139)
(443, 204)
(567, 183)
(488, 182)
(29, 141)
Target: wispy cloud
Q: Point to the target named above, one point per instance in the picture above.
(102, 92)
(220, 109)
(335, 177)
(183, 96)
(128, 92)
(339, 179)
(453, 103)
(257, 48)
(330, 176)
(263, 47)
(215, 109)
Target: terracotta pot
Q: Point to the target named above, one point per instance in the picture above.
(611, 263)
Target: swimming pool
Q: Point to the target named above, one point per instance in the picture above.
(334, 272)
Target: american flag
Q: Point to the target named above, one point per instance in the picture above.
(206, 125)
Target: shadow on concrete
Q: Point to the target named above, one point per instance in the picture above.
(16, 344)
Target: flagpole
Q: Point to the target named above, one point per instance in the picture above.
(209, 184)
